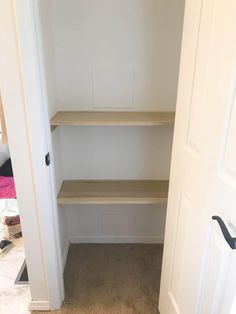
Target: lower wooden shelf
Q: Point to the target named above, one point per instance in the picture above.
(111, 118)
(113, 192)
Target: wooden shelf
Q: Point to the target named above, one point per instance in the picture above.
(111, 118)
(113, 192)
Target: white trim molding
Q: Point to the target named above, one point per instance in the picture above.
(39, 306)
(64, 255)
(22, 95)
(117, 239)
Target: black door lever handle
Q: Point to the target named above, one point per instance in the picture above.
(230, 240)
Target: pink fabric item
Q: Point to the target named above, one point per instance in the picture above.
(7, 187)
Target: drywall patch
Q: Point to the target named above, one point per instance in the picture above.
(113, 87)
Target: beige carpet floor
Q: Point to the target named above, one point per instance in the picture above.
(112, 279)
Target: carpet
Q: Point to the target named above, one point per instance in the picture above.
(112, 279)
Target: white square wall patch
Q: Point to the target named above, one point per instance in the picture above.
(113, 87)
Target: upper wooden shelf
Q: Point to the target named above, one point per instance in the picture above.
(113, 192)
(111, 118)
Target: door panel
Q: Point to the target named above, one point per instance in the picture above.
(198, 263)
(228, 165)
(196, 110)
(184, 212)
(218, 260)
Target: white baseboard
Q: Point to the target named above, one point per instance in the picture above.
(117, 239)
(39, 306)
(64, 255)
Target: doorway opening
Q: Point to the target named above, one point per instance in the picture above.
(110, 73)
(14, 287)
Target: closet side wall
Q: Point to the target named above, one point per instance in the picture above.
(44, 7)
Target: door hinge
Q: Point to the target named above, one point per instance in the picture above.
(47, 159)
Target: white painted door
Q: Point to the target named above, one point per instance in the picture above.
(199, 267)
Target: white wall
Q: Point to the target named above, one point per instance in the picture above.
(110, 223)
(48, 67)
(116, 152)
(18, 136)
(113, 55)
(127, 48)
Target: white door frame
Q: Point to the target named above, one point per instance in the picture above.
(24, 102)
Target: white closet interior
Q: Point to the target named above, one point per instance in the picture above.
(117, 57)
